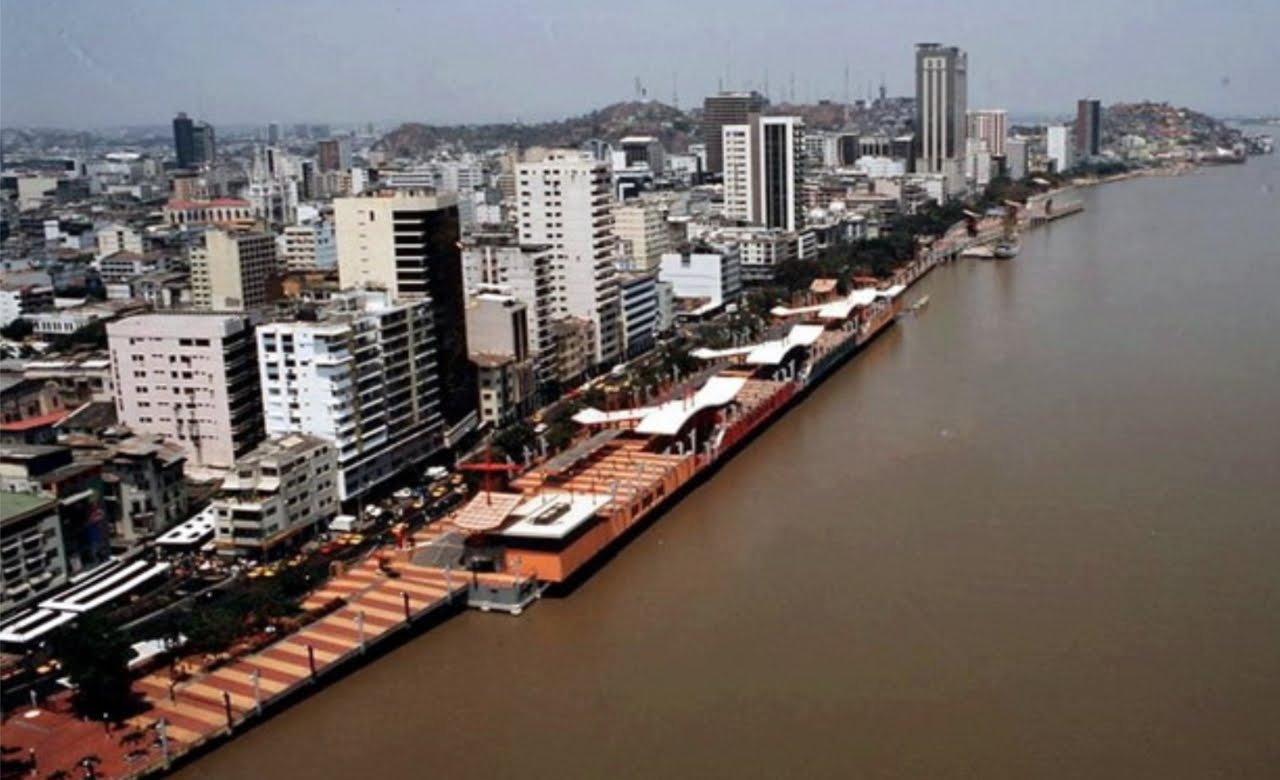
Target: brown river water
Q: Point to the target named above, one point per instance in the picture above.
(1032, 532)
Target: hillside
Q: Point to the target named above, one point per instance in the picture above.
(610, 123)
(1165, 122)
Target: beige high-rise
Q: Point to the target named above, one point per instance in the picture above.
(232, 270)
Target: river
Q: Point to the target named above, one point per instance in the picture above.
(1033, 532)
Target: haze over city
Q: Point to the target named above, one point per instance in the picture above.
(81, 64)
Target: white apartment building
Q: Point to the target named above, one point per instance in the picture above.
(230, 269)
(703, 274)
(363, 376)
(116, 237)
(284, 487)
(763, 171)
(1060, 147)
(191, 379)
(564, 201)
(641, 229)
(23, 300)
(310, 246)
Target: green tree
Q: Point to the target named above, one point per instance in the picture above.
(17, 330)
(95, 655)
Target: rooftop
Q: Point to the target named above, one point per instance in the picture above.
(14, 506)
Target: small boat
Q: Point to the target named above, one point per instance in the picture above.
(1007, 249)
(920, 304)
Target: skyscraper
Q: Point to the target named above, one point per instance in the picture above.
(941, 106)
(203, 145)
(184, 142)
(1059, 148)
(1088, 128)
(726, 108)
(273, 133)
(405, 241)
(763, 163)
(334, 154)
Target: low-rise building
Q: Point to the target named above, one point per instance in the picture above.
(639, 291)
(23, 300)
(77, 486)
(143, 489)
(33, 560)
(702, 273)
(285, 487)
(222, 212)
(498, 334)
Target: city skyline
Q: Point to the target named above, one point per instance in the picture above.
(138, 63)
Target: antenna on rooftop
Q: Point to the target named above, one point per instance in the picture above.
(675, 89)
(766, 82)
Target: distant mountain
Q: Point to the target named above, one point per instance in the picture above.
(671, 125)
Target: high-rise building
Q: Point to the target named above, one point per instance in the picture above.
(406, 242)
(941, 106)
(184, 142)
(1017, 159)
(273, 133)
(1059, 148)
(334, 154)
(763, 171)
(363, 375)
(726, 108)
(190, 378)
(990, 126)
(1088, 128)
(643, 150)
(641, 228)
(564, 202)
(231, 270)
(204, 147)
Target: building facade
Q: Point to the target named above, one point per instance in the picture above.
(233, 270)
(941, 111)
(704, 274)
(764, 170)
(407, 242)
(726, 108)
(1060, 148)
(640, 311)
(498, 332)
(33, 560)
(285, 487)
(564, 202)
(191, 379)
(364, 376)
(990, 126)
(641, 228)
(1088, 128)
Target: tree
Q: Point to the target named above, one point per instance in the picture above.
(17, 330)
(96, 657)
(513, 439)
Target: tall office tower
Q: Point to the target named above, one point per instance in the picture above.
(405, 241)
(231, 270)
(191, 378)
(564, 201)
(362, 375)
(203, 144)
(334, 154)
(763, 170)
(1088, 128)
(273, 133)
(726, 108)
(184, 142)
(990, 126)
(941, 105)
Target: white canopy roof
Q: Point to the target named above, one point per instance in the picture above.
(593, 416)
(113, 582)
(669, 418)
(771, 353)
(192, 530)
(841, 309)
(33, 625)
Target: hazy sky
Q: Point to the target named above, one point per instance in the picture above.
(103, 62)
